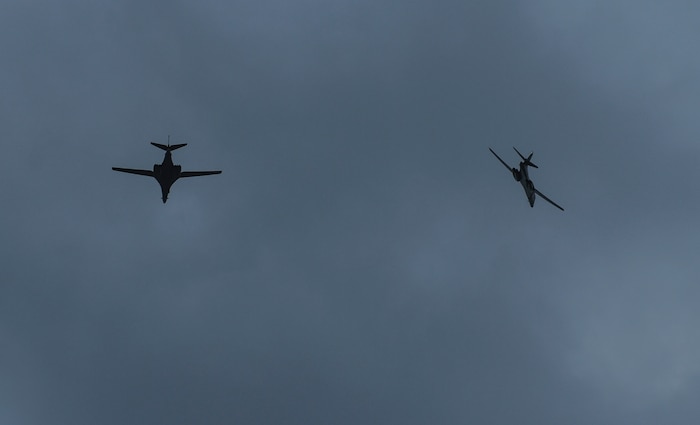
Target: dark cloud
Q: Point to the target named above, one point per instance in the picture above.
(363, 258)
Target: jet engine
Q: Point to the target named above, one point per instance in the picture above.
(516, 174)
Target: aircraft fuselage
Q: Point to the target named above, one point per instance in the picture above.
(166, 174)
(523, 177)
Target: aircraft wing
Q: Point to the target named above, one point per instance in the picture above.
(132, 171)
(502, 161)
(548, 200)
(198, 173)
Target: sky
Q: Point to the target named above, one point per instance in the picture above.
(363, 258)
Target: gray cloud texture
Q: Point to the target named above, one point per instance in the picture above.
(363, 258)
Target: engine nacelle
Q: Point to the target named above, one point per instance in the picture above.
(516, 174)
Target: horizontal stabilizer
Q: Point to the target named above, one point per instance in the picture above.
(198, 173)
(527, 160)
(168, 147)
(148, 173)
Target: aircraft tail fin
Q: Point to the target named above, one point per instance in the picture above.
(168, 147)
(527, 160)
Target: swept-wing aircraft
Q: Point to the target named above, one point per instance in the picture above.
(523, 177)
(166, 173)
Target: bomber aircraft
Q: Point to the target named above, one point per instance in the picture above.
(523, 177)
(166, 173)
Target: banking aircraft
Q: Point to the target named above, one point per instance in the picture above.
(523, 177)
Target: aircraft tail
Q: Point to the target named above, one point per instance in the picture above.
(168, 147)
(527, 160)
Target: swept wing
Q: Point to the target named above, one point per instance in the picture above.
(198, 173)
(548, 200)
(502, 161)
(148, 173)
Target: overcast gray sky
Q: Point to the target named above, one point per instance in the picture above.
(363, 259)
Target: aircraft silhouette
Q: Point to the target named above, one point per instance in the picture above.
(523, 177)
(166, 173)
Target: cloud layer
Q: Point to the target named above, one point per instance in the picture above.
(362, 258)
